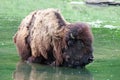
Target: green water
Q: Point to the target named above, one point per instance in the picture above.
(25, 71)
(106, 65)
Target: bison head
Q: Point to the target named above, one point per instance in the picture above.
(78, 52)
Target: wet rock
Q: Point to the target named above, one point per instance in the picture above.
(103, 2)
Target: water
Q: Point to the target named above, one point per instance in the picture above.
(98, 70)
(25, 71)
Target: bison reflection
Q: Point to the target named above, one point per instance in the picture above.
(26, 71)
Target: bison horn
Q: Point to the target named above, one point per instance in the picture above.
(71, 35)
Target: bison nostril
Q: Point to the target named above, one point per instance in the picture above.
(90, 60)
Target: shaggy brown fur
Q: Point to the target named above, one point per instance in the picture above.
(43, 37)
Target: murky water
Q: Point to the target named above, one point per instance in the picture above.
(25, 71)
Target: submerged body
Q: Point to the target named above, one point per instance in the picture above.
(45, 37)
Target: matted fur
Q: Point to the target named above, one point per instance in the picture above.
(44, 32)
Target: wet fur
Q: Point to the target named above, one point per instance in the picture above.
(43, 35)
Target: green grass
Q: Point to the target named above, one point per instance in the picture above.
(106, 41)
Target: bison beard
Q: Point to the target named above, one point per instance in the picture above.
(45, 37)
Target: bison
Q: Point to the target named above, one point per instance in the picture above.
(45, 37)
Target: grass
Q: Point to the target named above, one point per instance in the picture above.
(106, 41)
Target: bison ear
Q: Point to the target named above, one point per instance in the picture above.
(71, 35)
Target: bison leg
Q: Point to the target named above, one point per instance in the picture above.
(57, 53)
(38, 59)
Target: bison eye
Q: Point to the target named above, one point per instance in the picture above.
(80, 44)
